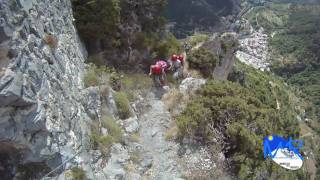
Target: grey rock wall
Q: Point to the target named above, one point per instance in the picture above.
(44, 113)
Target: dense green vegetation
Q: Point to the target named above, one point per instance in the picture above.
(203, 60)
(271, 16)
(117, 32)
(299, 36)
(244, 115)
(300, 41)
(309, 83)
(97, 20)
(100, 20)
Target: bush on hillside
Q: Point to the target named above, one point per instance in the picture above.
(240, 116)
(115, 81)
(114, 130)
(168, 46)
(78, 174)
(203, 60)
(123, 105)
(90, 78)
(102, 143)
(96, 75)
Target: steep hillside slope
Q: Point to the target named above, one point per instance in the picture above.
(294, 33)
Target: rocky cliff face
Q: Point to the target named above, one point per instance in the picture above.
(45, 115)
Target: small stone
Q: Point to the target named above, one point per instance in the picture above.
(96, 155)
(147, 161)
(104, 131)
(154, 132)
(188, 151)
(131, 125)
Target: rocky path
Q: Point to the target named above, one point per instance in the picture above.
(149, 155)
(153, 127)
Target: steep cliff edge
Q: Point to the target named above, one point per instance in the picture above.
(44, 114)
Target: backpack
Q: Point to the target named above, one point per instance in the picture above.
(156, 69)
(163, 64)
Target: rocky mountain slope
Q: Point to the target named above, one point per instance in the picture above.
(45, 111)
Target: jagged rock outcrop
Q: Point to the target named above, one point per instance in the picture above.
(224, 46)
(45, 115)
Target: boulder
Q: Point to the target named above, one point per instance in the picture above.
(191, 84)
(131, 125)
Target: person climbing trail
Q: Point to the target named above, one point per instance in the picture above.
(158, 72)
(177, 63)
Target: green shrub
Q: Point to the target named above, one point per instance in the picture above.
(102, 143)
(78, 174)
(244, 115)
(135, 157)
(168, 46)
(115, 81)
(91, 78)
(96, 59)
(96, 75)
(123, 105)
(203, 60)
(134, 84)
(145, 40)
(113, 128)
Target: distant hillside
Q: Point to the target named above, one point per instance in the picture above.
(294, 43)
(201, 15)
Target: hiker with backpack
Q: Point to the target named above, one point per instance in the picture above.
(177, 63)
(159, 72)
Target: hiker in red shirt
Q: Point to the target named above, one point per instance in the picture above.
(158, 73)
